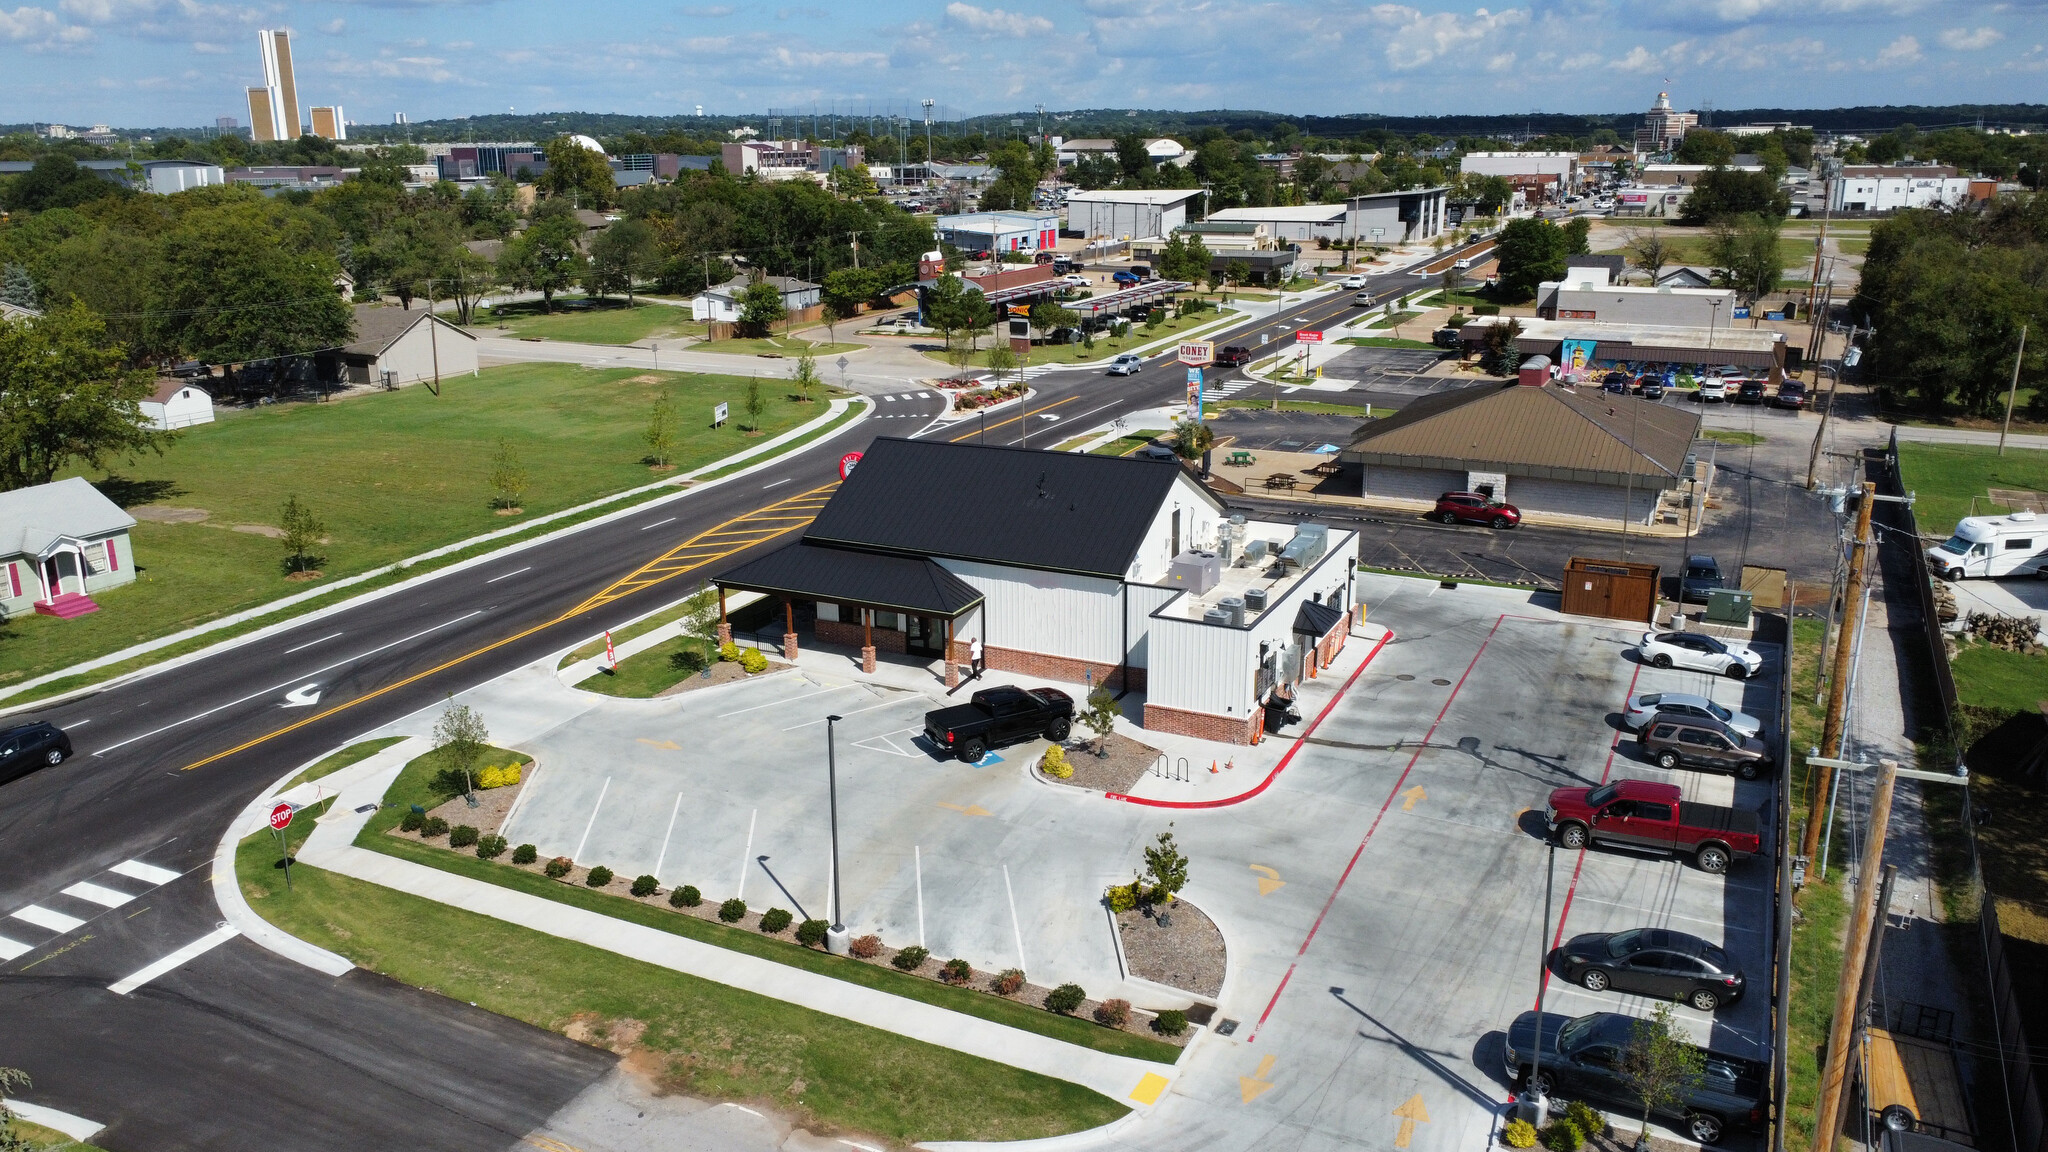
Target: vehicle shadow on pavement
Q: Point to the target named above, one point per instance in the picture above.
(1428, 1059)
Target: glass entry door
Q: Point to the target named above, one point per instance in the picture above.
(925, 636)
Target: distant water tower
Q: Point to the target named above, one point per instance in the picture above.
(700, 109)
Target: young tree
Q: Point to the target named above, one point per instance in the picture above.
(617, 257)
(1100, 718)
(755, 404)
(1659, 1067)
(302, 531)
(1453, 279)
(66, 397)
(460, 737)
(1001, 361)
(1048, 317)
(835, 311)
(1647, 251)
(978, 314)
(661, 431)
(1235, 273)
(508, 477)
(806, 377)
(1167, 867)
(761, 308)
(1191, 438)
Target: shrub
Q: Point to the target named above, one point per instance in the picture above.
(956, 971)
(490, 847)
(775, 920)
(495, 777)
(865, 947)
(1563, 1136)
(525, 854)
(435, 826)
(688, 661)
(1055, 763)
(598, 877)
(1123, 897)
(1065, 998)
(1491, 310)
(1586, 1118)
(811, 933)
(1008, 982)
(463, 836)
(728, 651)
(559, 867)
(751, 661)
(1519, 1134)
(911, 958)
(732, 910)
(685, 897)
(1113, 1013)
(1171, 1022)
(412, 821)
(1458, 320)
(645, 885)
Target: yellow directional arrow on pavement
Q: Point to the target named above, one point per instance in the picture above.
(968, 810)
(1409, 798)
(1256, 1084)
(666, 745)
(1269, 880)
(1409, 1113)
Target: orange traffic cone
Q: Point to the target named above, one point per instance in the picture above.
(1212, 767)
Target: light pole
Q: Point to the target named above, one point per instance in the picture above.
(835, 937)
(1535, 1104)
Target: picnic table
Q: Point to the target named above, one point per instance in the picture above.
(1241, 459)
(1328, 467)
(1282, 480)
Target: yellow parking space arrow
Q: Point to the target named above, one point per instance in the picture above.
(1255, 1085)
(1269, 879)
(664, 745)
(1410, 1113)
(968, 810)
(1409, 798)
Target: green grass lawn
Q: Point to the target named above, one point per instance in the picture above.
(1853, 245)
(1125, 445)
(1817, 934)
(1944, 477)
(1388, 341)
(1690, 247)
(790, 346)
(1990, 677)
(649, 673)
(1726, 436)
(1297, 406)
(710, 1039)
(1396, 320)
(391, 474)
(641, 628)
(41, 1139)
(591, 321)
(353, 754)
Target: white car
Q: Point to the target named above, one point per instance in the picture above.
(1713, 389)
(1699, 651)
(1352, 282)
(1686, 706)
(1126, 364)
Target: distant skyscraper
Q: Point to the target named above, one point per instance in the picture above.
(399, 118)
(225, 123)
(328, 123)
(274, 108)
(1663, 127)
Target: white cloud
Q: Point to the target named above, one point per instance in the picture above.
(27, 24)
(1419, 37)
(334, 27)
(1968, 39)
(1639, 59)
(1904, 50)
(207, 48)
(1501, 63)
(996, 22)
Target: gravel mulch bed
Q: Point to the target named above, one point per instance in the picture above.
(492, 806)
(1139, 1021)
(1128, 760)
(1186, 952)
(722, 672)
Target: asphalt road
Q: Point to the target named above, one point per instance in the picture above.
(237, 1048)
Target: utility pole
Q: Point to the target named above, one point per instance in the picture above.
(1828, 1109)
(1820, 434)
(1880, 923)
(856, 251)
(1838, 679)
(433, 338)
(927, 136)
(2012, 391)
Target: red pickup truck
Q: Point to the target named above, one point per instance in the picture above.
(1646, 814)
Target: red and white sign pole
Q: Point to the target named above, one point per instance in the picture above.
(611, 657)
(280, 819)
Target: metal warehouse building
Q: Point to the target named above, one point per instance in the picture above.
(1000, 231)
(1128, 213)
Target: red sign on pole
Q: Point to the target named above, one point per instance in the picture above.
(280, 816)
(846, 464)
(1308, 336)
(610, 657)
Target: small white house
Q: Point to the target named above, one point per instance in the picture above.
(177, 404)
(722, 302)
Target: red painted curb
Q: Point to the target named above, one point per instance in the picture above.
(1277, 768)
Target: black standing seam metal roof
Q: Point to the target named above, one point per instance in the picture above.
(1316, 619)
(871, 579)
(1053, 511)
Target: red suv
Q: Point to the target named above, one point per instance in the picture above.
(1474, 508)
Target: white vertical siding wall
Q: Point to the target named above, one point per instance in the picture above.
(1198, 520)
(1145, 600)
(1061, 615)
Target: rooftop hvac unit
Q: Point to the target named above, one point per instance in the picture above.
(1307, 547)
(1234, 606)
(1255, 552)
(1255, 599)
(1195, 571)
(1216, 616)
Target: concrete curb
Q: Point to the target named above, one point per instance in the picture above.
(1106, 1136)
(76, 1127)
(290, 621)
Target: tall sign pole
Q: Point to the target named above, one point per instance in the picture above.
(2012, 391)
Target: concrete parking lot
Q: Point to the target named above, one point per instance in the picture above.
(1367, 989)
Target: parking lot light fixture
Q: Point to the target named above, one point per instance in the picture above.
(1534, 1105)
(836, 941)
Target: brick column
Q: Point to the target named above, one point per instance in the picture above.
(789, 646)
(867, 659)
(724, 633)
(952, 675)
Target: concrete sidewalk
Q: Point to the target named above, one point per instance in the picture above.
(1135, 1083)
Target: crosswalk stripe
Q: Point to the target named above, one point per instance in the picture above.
(45, 918)
(9, 949)
(147, 873)
(198, 947)
(94, 893)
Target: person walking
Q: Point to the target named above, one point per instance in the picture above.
(974, 655)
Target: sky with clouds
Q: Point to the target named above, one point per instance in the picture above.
(183, 62)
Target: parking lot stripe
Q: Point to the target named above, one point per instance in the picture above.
(1015, 929)
(97, 894)
(1572, 889)
(663, 857)
(148, 873)
(43, 917)
(199, 947)
(746, 856)
(9, 949)
(1386, 806)
(592, 822)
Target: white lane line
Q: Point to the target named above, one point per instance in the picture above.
(147, 873)
(195, 949)
(663, 857)
(9, 949)
(1015, 930)
(310, 643)
(77, 724)
(778, 483)
(791, 700)
(890, 399)
(95, 894)
(291, 683)
(657, 524)
(509, 575)
(46, 918)
(855, 712)
(746, 856)
(917, 855)
(592, 822)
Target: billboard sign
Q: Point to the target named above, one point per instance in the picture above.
(1308, 336)
(1197, 352)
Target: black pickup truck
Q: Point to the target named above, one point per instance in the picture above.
(1582, 1061)
(997, 716)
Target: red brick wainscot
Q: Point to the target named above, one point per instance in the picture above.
(1201, 725)
(1047, 666)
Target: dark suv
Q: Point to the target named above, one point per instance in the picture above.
(1702, 575)
(1475, 508)
(1581, 1060)
(26, 747)
(1672, 743)
(1752, 392)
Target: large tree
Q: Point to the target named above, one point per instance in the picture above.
(1745, 255)
(247, 280)
(546, 258)
(620, 255)
(1647, 251)
(66, 396)
(576, 173)
(1723, 192)
(762, 308)
(1530, 251)
(1184, 258)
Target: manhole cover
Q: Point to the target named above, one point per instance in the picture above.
(1226, 1027)
(1469, 745)
(1440, 682)
(1404, 676)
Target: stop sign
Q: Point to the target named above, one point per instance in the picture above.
(280, 816)
(847, 463)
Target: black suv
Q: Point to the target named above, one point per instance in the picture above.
(1702, 575)
(26, 747)
(1582, 1061)
(1653, 962)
